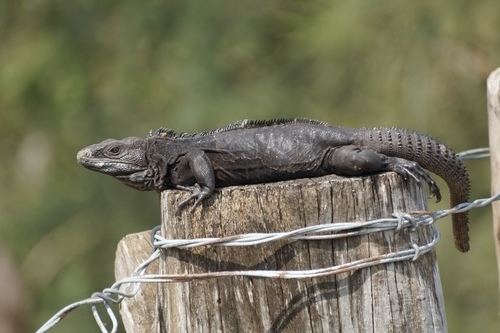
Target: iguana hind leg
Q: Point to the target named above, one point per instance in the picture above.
(353, 160)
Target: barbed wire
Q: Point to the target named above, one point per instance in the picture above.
(128, 287)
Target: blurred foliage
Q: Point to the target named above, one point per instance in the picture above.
(75, 72)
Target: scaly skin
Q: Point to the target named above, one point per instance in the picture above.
(431, 155)
(249, 152)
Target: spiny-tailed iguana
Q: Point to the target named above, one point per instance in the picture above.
(249, 152)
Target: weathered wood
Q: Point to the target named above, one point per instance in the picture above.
(493, 99)
(399, 297)
(139, 314)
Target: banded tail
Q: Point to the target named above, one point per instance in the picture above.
(431, 155)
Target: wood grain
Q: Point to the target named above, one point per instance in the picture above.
(493, 99)
(399, 297)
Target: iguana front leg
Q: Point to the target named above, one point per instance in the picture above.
(198, 164)
(352, 160)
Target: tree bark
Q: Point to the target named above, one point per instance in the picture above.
(493, 99)
(398, 297)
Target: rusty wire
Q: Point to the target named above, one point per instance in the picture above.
(128, 287)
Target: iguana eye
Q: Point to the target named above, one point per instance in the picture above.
(114, 150)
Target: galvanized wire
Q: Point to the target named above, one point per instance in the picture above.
(105, 298)
(472, 154)
(128, 287)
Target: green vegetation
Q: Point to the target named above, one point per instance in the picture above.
(73, 73)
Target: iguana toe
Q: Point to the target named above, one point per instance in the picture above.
(198, 194)
(412, 169)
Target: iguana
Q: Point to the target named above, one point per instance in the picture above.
(249, 152)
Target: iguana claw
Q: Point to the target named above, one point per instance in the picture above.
(198, 193)
(409, 168)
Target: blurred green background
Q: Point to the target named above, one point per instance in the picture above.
(74, 73)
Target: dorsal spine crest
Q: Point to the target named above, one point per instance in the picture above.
(245, 123)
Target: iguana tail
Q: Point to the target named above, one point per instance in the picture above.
(431, 155)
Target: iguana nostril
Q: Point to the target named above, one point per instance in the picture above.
(82, 155)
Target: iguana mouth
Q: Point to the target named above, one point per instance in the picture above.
(99, 163)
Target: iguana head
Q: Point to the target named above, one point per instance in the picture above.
(124, 159)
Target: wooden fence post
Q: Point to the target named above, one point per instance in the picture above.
(493, 99)
(396, 297)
